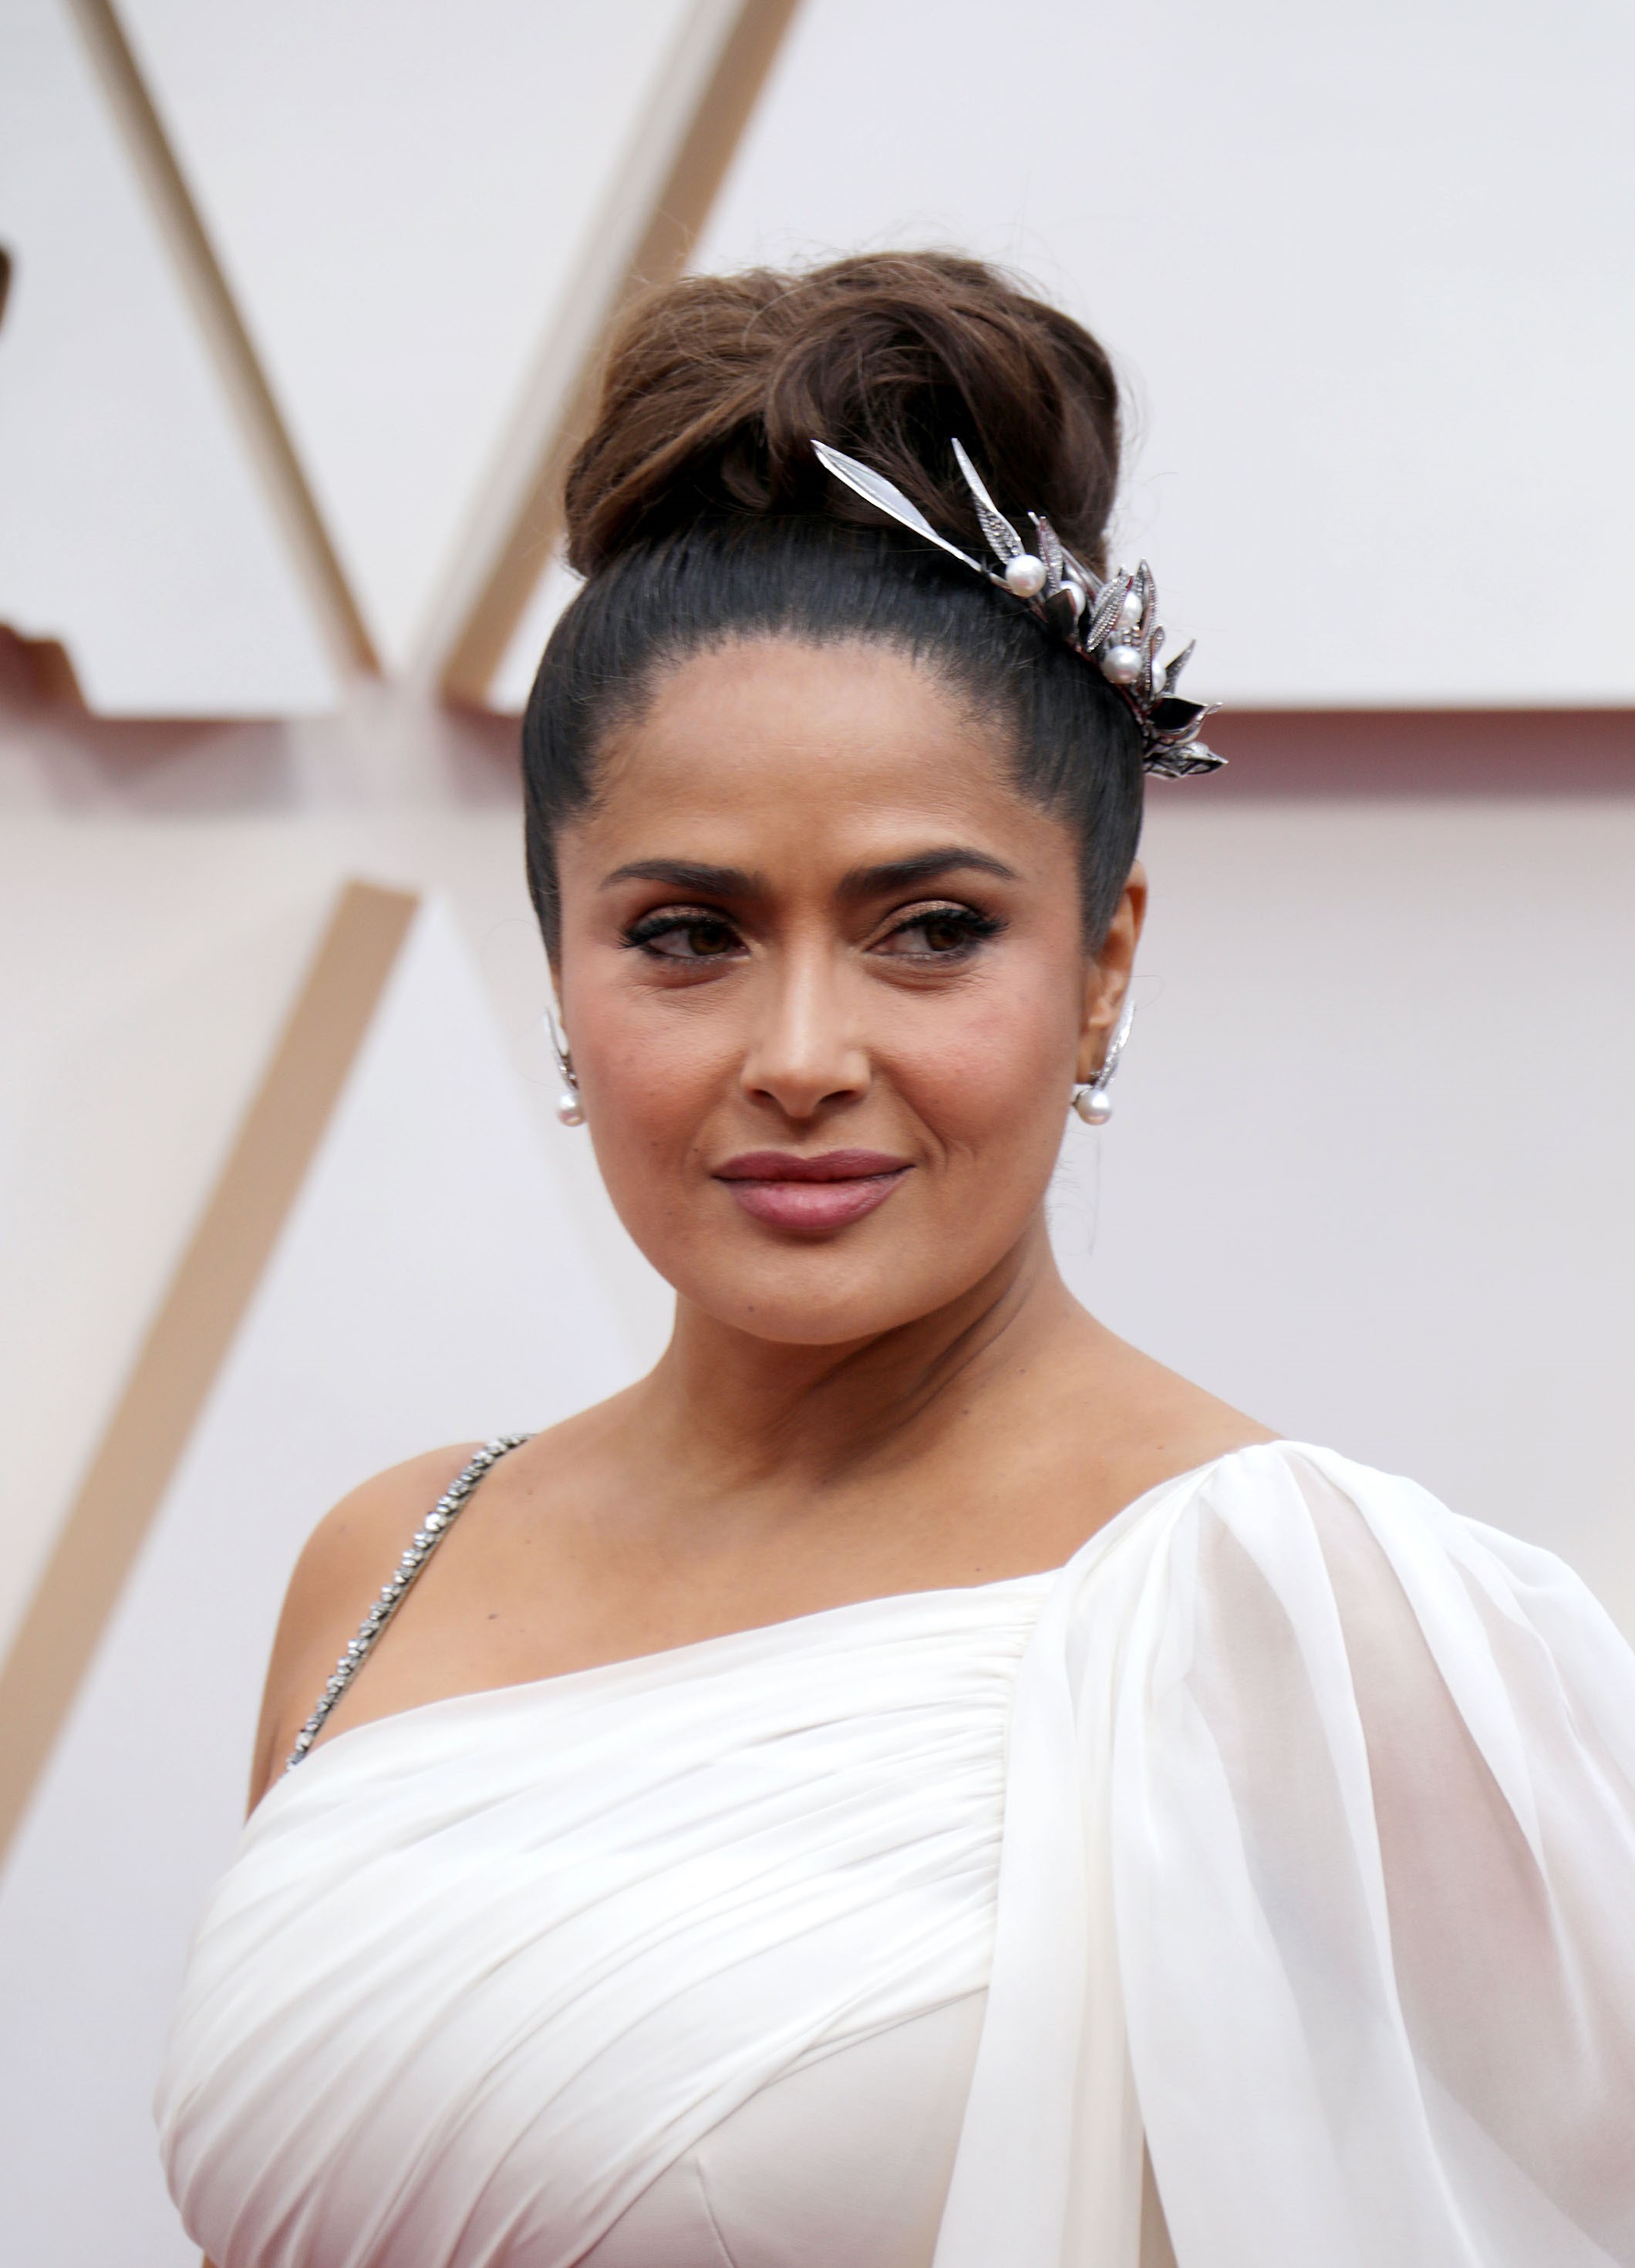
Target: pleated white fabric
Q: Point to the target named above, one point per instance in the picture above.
(1308, 1861)
(480, 1973)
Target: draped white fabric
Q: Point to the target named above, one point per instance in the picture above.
(482, 1972)
(1320, 1847)
(1317, 1873)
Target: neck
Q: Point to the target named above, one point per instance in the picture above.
(745, 1410)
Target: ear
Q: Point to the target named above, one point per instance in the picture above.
(1107, 976)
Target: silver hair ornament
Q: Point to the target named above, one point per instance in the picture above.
(1113, 624)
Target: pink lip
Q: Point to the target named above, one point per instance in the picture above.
(787, 1191)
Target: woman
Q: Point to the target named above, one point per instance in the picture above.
(912, 1777)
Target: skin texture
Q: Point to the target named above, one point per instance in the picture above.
(908, 1400)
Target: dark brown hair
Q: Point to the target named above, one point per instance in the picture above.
(699, 512)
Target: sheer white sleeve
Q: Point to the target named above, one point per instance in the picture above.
(1319, 1877)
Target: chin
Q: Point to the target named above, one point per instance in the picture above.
(820, 1296)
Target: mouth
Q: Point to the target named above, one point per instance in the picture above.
(828, 1192)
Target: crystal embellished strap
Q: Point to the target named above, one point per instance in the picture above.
(426, 1540)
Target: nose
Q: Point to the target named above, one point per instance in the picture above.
(804, 1052)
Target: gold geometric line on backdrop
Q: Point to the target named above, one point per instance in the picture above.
(679, 157)
(282, 478)
(189, 1337)
(674, 164)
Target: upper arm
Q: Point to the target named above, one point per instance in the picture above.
(1438, 1840)
(347, 1559)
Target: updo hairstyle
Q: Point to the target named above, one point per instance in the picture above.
(699, 515)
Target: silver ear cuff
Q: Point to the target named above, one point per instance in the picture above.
(1091, 1099)
(569, 1109)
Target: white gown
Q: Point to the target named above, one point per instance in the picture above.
(1274, 1858)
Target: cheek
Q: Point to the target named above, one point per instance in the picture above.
(653, 1069)
(995, 1074)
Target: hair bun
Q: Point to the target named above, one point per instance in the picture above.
(715, 386)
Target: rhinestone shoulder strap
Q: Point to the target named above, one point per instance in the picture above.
(426, 1539)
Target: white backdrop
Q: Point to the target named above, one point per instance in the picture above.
(1369, 1173)
(1364, 269)
(400, 192)
(134, 526)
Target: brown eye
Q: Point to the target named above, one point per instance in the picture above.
(707, 939)
(684, 937)
(944, 933)
(939, 933)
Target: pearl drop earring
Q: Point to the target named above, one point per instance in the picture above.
(1090, 1098)
(569, 1109)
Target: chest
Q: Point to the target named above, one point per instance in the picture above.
(650, 1957)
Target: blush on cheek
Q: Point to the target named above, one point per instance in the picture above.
(653, 1102)
(991, 1079)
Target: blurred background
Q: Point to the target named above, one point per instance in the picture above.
(301, 308)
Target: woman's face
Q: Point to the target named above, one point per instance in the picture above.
(824, 980)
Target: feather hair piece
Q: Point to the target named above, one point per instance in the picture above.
(1002, 537)
(886, 497)
(1086, 613)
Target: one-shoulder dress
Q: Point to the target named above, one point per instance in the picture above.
(1258, 1889)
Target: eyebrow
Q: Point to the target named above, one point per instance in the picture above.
(903, 874)
(690, 877)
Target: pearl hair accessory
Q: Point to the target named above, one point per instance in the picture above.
(569, 1109)
(1091, 1100)
(1113, 624)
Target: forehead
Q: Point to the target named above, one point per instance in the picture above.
(771, 744)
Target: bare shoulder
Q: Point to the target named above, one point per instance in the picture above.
(355, 1549)
(343, 1563)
